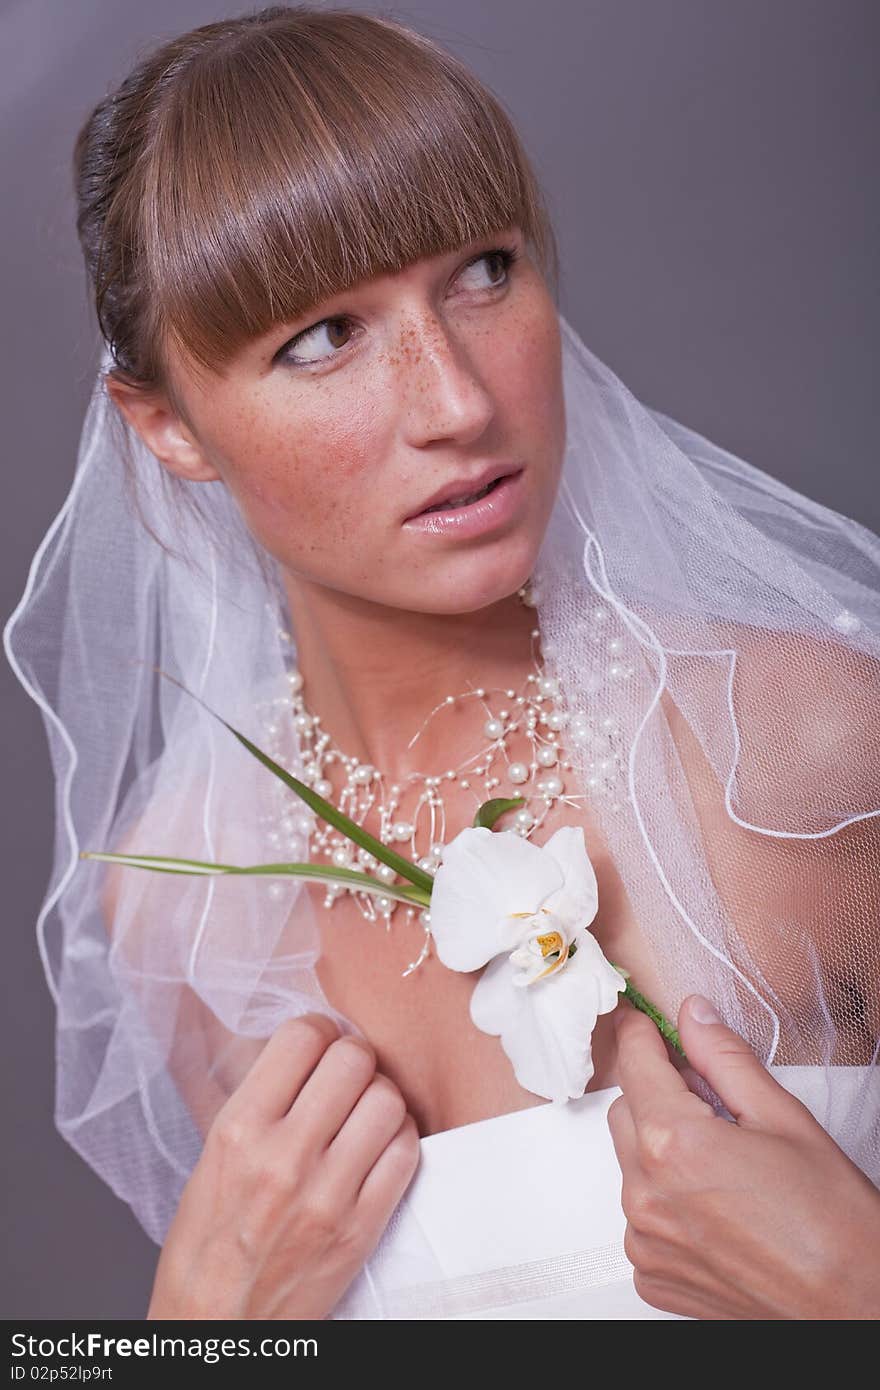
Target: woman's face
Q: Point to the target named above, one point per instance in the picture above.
(330, 435)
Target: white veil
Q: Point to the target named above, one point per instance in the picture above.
(716, 637)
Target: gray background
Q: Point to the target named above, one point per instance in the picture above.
(711, 169)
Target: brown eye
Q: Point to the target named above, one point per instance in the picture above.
(496, 263)
(336, 331)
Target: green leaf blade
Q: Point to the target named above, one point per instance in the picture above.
(488, 813)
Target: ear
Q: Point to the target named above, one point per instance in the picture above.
(165, 434)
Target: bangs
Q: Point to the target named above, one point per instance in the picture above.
(296, 161)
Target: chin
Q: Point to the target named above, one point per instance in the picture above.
(481, 580)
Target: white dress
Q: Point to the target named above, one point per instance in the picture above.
(520, 1216)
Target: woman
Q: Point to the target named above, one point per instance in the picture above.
(335, 317)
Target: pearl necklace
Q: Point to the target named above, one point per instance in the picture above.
(541, 782)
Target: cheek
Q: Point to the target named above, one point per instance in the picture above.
(527, 376)
(302, 486)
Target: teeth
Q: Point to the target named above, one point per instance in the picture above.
(459, 501)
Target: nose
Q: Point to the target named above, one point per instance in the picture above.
(445, 398)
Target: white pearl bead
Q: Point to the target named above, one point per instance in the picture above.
(548, 685)
(438, 849)
(364, 774)
(303, 824)
(341, 857)
(518, 772)
(425, 917)
(556, 719)
(493, 728)
(523, 818)
(386, 873)
(383, 903)
(402, 830)
(847, 621)
(323, 787)
(303, 722)
(546, 756)
(553, 786)
(295, 680)
(366, 859)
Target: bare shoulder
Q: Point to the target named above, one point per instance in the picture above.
(793, 865)
(798, 712)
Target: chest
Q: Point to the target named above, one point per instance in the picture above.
(450, 1072)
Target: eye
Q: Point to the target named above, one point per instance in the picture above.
(499, 260)
(334, 328)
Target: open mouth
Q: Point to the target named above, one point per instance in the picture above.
(453, 503)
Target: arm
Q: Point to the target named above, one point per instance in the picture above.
(767, 1217)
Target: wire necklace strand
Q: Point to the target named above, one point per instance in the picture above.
(535, 710)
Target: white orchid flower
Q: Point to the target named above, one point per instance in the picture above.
(522, 910)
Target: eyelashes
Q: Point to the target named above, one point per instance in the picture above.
(506, 254)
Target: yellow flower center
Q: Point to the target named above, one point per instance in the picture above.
(551, 941)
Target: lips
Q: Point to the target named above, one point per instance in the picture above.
(455, 491)
(461, 501)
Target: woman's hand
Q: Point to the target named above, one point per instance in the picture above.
(763, 1218)
(300, 1172)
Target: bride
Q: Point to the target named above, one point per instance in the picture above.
(325, 278)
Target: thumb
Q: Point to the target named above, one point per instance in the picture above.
(752, 1096)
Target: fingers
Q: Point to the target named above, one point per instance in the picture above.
(287, 1060)
(623, 1132)
(648, 1078)
(367, 1130)
(328, 1096)
(748, 1091)
(391, 1174)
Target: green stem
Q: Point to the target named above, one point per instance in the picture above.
(639, 1001)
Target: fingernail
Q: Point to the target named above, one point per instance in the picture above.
(703, 1011)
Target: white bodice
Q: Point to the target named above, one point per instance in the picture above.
(519, 1216)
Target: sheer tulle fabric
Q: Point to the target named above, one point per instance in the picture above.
(716, 637)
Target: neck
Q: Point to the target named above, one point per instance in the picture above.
(373, 674)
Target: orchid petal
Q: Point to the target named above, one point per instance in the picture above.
(546, 1027)
(577, 901)
(485, 876)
